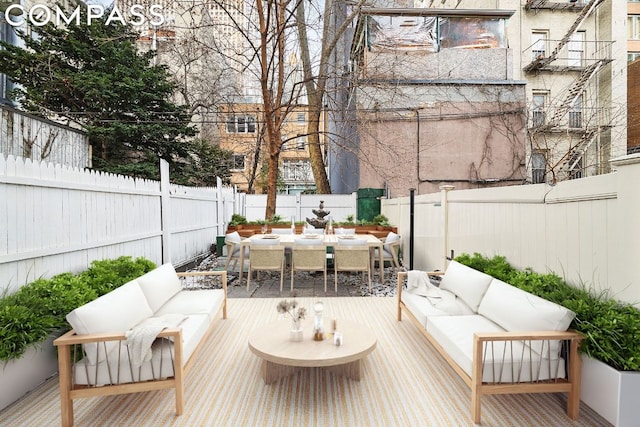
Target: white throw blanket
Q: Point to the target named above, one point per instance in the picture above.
(141, 337)
(418, 283)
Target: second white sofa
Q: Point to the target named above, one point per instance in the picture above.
(499, 339)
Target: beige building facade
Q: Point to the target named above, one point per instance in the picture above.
(241, 131)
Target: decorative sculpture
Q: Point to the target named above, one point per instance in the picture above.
(320, 213)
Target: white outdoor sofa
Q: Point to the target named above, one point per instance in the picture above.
(141, 336)
(499, 339)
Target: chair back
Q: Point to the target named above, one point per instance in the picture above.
(266, 257)
(308, 257)
(351, 258)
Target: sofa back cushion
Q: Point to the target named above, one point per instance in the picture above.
(466, 283)
(160, 285)
(518, 311)
(117, 311)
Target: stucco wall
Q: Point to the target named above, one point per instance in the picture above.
(472, 135)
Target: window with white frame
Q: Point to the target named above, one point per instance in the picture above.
(297, 170)
(539, 39)
(538, 113)
(301, 117)
(237, 162)
(575, 114)
(301, 143)
(575, 49)
(632, 56)
(633, 25)
(241, 123)
(538, 166)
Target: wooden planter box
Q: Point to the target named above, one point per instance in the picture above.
(248, 230)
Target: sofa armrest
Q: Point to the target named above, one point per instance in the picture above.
(71, 338)
(483, 342)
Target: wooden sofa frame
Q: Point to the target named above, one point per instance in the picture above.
(70, 391)
(570, 385)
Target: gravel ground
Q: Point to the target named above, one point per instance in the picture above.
(267, 284)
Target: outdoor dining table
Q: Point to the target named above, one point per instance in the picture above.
(329, 240)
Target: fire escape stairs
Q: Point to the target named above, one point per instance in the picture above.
(576, 89)
(540, 63)
(573, 156)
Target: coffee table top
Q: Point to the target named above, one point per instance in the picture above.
(271, 342)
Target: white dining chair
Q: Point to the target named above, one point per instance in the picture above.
(309, 255)
(266, 255)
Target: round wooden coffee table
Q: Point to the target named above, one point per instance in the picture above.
(282, 357)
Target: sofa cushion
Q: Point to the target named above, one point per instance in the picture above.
(423, 308)
(455, 335)
(201, 301)
(465, 282)
(159, 285)
(117, 311)
(194, 327)
(516, 310)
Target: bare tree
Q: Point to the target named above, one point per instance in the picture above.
(316, 85)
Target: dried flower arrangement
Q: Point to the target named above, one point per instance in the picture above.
(291, 308)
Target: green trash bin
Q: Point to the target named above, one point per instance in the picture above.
(368, 203)
(219, 245)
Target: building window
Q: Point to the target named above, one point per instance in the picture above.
(301, 143)
(575, 114)
(538, 113)
(297, 170)
(6, 35)
(576, 166)
(575, 49)
(241, 124)
(539, 40)
(538, 167)
(237, 162)
(633, 23)
(301, 118)
(632, 56)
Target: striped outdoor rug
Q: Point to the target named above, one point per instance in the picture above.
(405, 383)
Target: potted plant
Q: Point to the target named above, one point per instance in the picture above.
(611, 365)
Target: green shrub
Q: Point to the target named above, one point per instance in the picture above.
(21, 328)
(237, 219)
(380, 220)
(38, 309)
(611, 328)
(105, 275)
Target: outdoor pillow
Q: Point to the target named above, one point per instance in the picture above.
(160, 285)
(391, 238)
(116, 311)
(467, 283)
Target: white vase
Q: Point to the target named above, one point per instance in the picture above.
(612, 394)
(295, 334)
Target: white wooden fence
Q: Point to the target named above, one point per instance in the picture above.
(300, 206)
(585, 230)
(55, 219)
